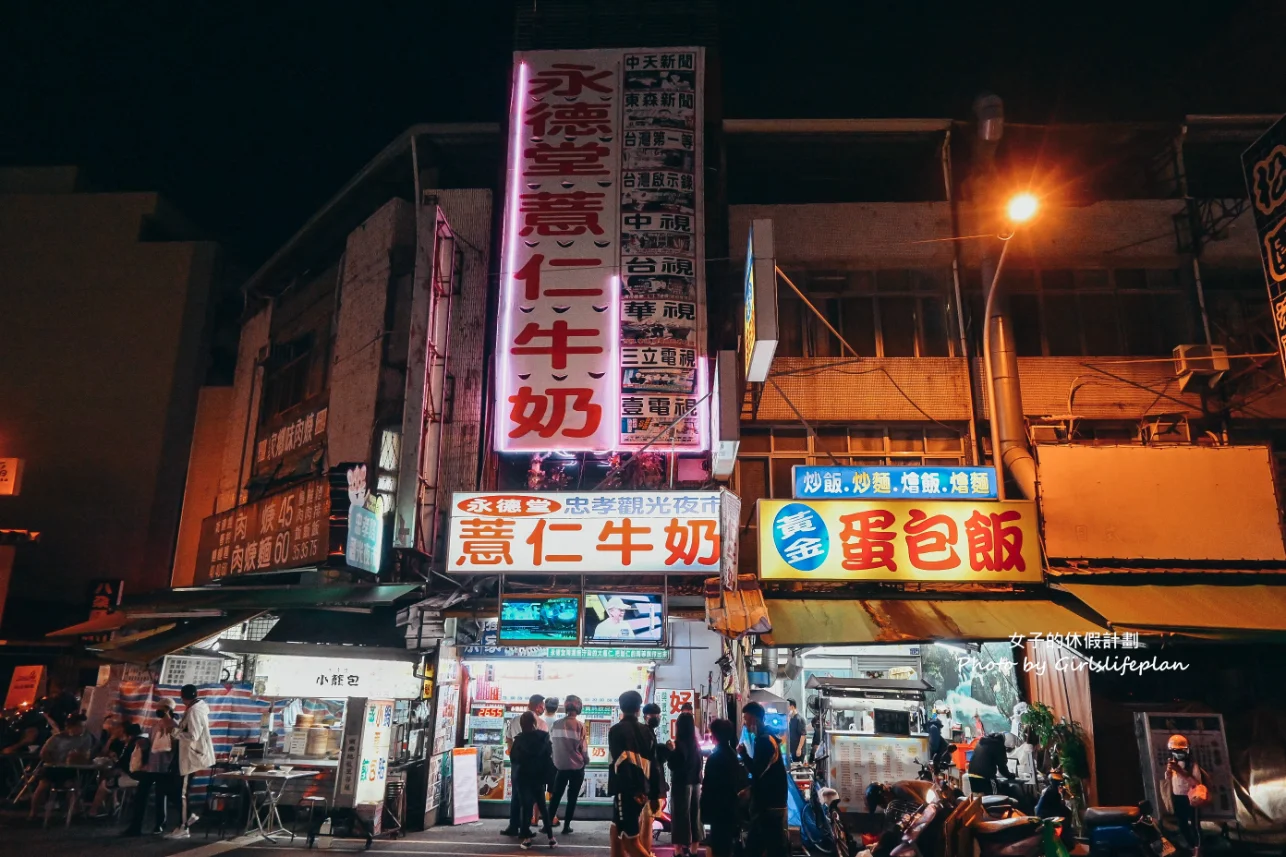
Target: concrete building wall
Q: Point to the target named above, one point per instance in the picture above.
(204, 472)
(243, 412)
(360, 329)
(101, 356)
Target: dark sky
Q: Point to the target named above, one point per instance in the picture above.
(250, 115)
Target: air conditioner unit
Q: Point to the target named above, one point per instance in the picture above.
(1200, 365)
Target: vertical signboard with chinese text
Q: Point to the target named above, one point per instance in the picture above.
(602, 296)
(1264, 165)
(899, 541)
(759, 332)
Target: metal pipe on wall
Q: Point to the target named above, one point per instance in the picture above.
(948, 182)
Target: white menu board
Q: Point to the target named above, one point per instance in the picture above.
(857, 760)
(377, 724)
(464, 785)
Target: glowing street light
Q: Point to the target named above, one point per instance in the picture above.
(1022, 207)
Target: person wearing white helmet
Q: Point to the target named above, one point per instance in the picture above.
(614, 627)
(1184, 789)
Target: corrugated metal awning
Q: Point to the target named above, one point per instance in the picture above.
(814, 622)
(98, 625)
(1191, 609)
(266, 598)
(153, 645)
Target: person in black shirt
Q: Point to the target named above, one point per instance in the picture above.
(989, 757)
(532, 757)
(764, 761)
(633, 780)
(725, 779)
(685, 786)
(795, 734)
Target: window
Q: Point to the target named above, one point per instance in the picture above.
(290, 375)
(885, 313)
(1092, 312)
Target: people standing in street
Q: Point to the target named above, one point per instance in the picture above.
(1184, 789)
(795, 733)
(551, 712)
(989, 760)
(764, 761)
(633, 780)
(532, 757)
(195, 752)
(571, 754)
(536, 705)
(721, 787)
(685, 786)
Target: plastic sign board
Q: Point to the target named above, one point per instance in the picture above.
(609, 532)
(10, 477)
(725, 416)
(1264, 165)
(930, 483)
(26, 685)
(464, 785)
(602, 320)
(335, 678)
(759, 336)
(899, 541)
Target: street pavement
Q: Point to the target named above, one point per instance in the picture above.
(480, 839)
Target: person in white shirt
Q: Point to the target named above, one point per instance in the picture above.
(196, 752)
(614, 626)
(536, 705)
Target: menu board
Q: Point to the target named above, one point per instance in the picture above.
(856, 761)
(464, 785)
(1205, 734)
(377, 724)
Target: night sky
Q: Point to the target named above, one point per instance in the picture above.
(249, 116)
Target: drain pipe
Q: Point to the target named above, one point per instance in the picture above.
(1009, 451)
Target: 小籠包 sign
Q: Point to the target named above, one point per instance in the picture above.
(893, 541)
(610, 532)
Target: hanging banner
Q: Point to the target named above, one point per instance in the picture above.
(602, 326)
(1264, 166)
(899, 541)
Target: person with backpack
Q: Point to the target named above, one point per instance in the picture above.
(762, 755)
(633, 780)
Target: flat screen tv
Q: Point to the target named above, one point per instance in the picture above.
(539, 620)
(624, 619)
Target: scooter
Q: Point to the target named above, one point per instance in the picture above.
(1113, 830)
(1015, 835)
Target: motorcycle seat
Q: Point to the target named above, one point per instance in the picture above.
(990, 802)
(1110, 816)
(997, 826)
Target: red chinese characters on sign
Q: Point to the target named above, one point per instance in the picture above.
(868, 541)
(995, 541)
(560, 341)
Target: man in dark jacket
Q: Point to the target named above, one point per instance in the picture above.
(937, 744)
(634, 778)
(766, 765)
(988, 758)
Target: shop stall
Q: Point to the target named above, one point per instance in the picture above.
(874, 732)
(502, 678)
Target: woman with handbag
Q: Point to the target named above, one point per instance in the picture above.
(1184, 789)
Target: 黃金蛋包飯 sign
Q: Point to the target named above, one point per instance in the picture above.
(895, 541)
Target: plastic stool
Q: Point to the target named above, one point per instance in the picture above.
(69, 792)
(314, 804)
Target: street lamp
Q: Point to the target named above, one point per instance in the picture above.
(1021, 209)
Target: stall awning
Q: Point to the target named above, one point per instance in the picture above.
(102, 624)
(1195, 609)
(153, 645)
(266, 598)
(812, 622)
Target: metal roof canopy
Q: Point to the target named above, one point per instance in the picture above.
(152, 646)
(870, 688)
(266, 598)
(821, 621)
(1190, 609)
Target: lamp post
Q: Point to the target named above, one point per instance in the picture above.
(1020, 209)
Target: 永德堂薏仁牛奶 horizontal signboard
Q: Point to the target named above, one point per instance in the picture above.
(907, 483)
(610, 532)
(899, 541)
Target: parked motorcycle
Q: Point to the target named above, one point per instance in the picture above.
(1124, 830)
